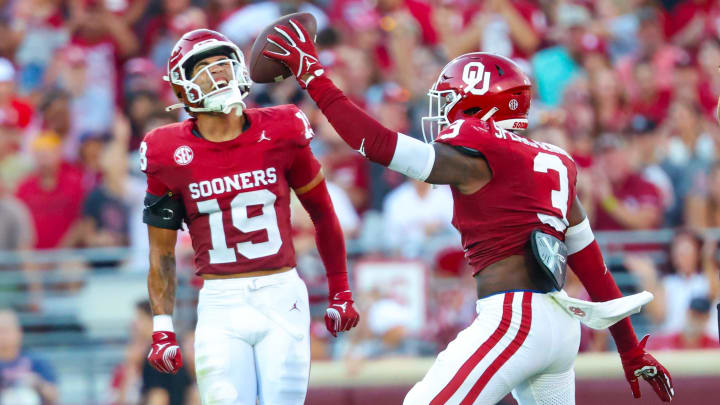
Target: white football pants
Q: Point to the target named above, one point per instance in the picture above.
(520, 341)
(252, 340)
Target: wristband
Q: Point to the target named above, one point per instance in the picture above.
(163, 323)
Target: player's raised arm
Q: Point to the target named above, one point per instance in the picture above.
(437, 164)
(308, 181)
(585, 258)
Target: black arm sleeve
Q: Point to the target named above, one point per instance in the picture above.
(163, 211)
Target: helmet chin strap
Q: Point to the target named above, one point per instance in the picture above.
(226, 101)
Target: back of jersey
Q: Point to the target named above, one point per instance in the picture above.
(532, 187)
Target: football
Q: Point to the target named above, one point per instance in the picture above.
(266, 70)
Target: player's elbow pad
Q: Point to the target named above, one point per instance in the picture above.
(413, 158)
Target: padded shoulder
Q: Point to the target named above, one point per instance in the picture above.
(471, 134)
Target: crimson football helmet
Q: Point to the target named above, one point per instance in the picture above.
(479, 85)
(225, 95)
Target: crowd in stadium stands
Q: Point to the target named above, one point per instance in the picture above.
(629, 88)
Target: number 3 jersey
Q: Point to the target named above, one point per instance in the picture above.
(532, 187)
(236, 193)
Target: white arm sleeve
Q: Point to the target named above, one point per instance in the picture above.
(413, 158)
(579, 236)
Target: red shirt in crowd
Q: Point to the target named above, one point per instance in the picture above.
(634, 191)
(676, 341)
(53, 211)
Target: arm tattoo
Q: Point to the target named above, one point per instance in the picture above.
(161, 282)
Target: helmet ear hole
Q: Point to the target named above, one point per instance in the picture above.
(472, 111)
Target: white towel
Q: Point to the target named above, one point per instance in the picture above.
(601, 315)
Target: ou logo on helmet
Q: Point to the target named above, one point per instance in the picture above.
(473, 74)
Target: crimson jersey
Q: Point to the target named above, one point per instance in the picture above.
(236, 193)
(532, 187)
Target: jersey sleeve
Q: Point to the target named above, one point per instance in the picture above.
(150, 166)
(471, 137)
(302, 131)
(304, 168)
(162, 208)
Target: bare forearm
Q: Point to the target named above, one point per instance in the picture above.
(520, 30)
(161, 282)
(643, 217)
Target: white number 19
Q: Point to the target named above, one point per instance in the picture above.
(221, 253)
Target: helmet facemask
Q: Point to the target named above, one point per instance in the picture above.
(439, 105)
(222, 97)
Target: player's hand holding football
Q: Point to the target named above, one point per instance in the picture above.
(164, 354)
(639, 363)
(299, 53)
(341, 315)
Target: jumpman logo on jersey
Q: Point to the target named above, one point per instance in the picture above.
(263, 137)
(295, 307)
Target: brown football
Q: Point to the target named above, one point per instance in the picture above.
(266, 70)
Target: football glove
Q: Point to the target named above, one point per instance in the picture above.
(299, 53)
(639, 363)
(341, 315)
(164, 354)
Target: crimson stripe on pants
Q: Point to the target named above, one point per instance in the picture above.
(507, 353)
(443, 396)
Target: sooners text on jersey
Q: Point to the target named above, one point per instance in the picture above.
(532, 186)
(236, 193)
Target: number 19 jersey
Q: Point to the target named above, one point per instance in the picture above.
(236, 193)
(532, 187)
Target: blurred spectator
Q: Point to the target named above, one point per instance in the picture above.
(554, 68)
(652, 49)
(343, 166)
(163, 30)
(53, 193)
(243, 25)
(56, 117)
(693, 273)
(105, 212)
(416, 214)
(623, 199)
(644, 143)
(105, 41)
(24, 378)
(15, 231)
(14, 112)
(41, 29)
(126, 381)
(702, 206)
(692, 336)
(11, 38)
(14, 165)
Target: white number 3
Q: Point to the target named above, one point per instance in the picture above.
(559, 198)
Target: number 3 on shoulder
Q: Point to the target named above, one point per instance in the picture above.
(559, 198)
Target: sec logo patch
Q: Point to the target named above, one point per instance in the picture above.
(183, 155)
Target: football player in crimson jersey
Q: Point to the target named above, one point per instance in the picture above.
(507, 191)
(227, 172)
